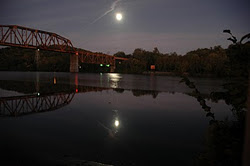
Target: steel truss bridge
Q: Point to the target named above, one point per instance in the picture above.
(19, 36)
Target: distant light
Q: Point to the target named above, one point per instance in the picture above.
(38, 94)
(54, 80)
(76, 90)
(117, 123)
(38, 49)
(101, 65)
(119, 16)
(107, 65)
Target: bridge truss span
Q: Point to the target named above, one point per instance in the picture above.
(18, 36)
(89, 57)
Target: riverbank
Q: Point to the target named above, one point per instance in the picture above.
(158, 73)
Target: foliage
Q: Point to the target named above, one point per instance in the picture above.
(21, 59)
(205, 61)
(224, 139)
(16, 59)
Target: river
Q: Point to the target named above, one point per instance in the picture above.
(118, 119)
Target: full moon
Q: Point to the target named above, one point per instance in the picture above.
(119, 16)
(116, 123)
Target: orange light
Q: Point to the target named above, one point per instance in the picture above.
(54, 80)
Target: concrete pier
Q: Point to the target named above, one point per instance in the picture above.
(37, 58)
(112, 68)
(74, 63)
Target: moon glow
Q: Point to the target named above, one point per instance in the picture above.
(118, 16)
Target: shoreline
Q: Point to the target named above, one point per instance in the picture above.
(156, 73)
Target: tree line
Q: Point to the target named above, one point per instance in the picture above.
(22, 59)
(212, 61)
(215, 61)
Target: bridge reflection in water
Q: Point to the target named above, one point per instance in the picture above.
(40, 102)
(40, 97)
(52, 94)
(22, 105)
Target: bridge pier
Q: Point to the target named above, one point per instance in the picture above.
(37, 58)
(37, 83)
(74, 63)
(112, 68)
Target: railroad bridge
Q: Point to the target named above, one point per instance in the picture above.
(19, 36)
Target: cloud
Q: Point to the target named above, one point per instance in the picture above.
(112, 7)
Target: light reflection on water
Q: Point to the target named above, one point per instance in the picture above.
(114, 79)
(119, 119)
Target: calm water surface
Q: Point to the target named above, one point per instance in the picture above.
(114, 118)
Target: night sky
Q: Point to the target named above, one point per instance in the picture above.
(171, 25)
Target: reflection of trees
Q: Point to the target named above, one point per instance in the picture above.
(138, 93)
(29, 87)
(84, 89)
(119, 90)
